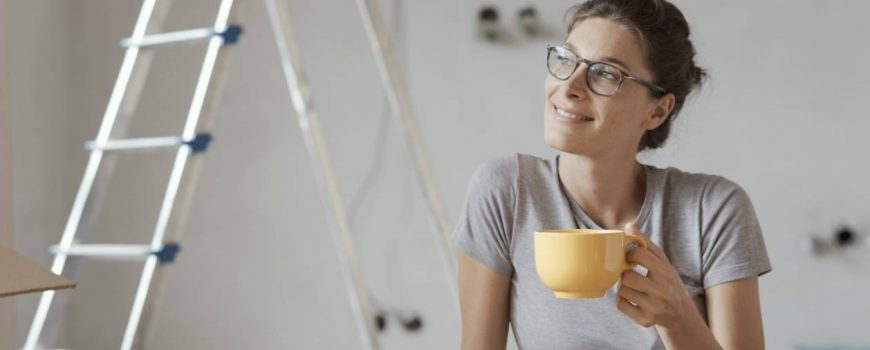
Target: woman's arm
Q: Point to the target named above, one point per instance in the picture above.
(734, 314)
(733, 311)
(659, 299)
(484, 302)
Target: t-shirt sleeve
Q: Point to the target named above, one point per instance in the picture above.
(732, 244)
(485, 225)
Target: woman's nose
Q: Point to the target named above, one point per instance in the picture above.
(575, 85)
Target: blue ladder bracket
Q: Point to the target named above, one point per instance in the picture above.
(167, 253)
(199, 143)
(231, 34)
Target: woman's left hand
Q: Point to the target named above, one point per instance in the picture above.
(659, 298)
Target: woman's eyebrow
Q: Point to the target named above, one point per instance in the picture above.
(616, 61)
(608, 59)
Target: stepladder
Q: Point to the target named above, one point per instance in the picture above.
(188, 147)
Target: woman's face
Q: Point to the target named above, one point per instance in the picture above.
(602, 125)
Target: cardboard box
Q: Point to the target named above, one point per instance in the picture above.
(19, 275)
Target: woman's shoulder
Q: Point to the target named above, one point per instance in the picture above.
(495, 172)
(504, 172)
(498, 168)
(707, 186)
(510, 167)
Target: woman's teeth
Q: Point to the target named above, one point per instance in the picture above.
(566, 115)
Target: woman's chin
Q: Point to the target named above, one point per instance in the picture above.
(561, 143)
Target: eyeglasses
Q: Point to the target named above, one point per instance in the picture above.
(602, 78)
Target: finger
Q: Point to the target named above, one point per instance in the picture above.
(640, 283)
(646, 259)
(656, 269)
(631, 229)
(635, 296)
(636, 314)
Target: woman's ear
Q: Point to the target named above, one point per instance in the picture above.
(660, 112)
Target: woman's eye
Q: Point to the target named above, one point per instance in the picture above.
(607, 75)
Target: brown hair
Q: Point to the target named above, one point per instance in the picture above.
(664, 33)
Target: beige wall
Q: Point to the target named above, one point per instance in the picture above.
(6, 330)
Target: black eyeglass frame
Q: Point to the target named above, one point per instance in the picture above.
(623, 75)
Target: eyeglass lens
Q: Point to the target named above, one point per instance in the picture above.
(602, 78)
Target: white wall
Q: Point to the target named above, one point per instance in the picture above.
(258, 269)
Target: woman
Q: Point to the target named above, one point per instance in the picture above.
(614, 88)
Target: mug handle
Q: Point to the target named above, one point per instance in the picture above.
(637, 241)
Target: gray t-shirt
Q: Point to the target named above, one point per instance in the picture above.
(704, 223)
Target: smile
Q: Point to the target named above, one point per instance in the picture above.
(566, 116)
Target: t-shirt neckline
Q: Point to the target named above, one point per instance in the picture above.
(578, 212)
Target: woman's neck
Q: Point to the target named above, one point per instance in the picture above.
(610, 191)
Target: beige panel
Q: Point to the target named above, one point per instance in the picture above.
(19, 275)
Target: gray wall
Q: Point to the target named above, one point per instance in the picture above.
(258, 269)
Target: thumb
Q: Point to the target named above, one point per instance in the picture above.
(631, 230)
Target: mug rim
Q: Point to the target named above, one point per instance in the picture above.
(575, 231)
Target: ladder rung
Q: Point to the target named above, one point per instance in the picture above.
(165, 254)
(198, 144)
(230, 35)
(105, 250)
(141, 143)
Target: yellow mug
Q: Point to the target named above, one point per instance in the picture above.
(582, 263)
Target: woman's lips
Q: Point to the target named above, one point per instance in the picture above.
(564, 115)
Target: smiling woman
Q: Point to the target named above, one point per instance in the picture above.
(614, 87)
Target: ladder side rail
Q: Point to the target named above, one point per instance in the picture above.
(106, 169)
(172, 188)
(90, 173)
(401, 111)
(319, 158)
(178, 219)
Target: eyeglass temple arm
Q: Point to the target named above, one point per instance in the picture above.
(650, 85)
